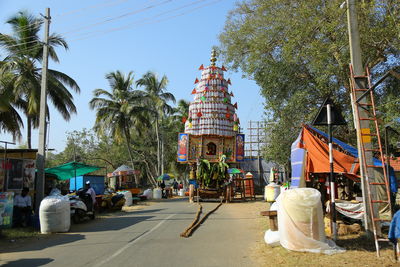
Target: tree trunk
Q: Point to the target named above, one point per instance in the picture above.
(128, 144)
(29, 132)
(162, 153)
(158, 149)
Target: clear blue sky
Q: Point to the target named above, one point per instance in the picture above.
(171, 38)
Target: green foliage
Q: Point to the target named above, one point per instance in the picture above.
(211, 174)
(23, 53)
(297, 52)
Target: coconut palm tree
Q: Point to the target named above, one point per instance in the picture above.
(24, 55)
(158, 98)
(119, 110)
(10, 120)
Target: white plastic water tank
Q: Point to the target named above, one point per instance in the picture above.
(157, 194)
(128, 198)
(271, 192)
(54, 214)
(181, 192)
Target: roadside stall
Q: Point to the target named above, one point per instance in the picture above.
(123, 178)
(17, 170)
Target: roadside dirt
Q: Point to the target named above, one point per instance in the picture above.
(359, 250)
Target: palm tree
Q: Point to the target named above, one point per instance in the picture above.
(117, 112)
(24, 54)
(157, 96)
(10, 120)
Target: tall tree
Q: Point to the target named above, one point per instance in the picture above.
(297, 52)
(158, 99)
(119, 111)
(10, 120)
(24, 52)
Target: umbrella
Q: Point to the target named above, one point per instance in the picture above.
(165, 177)
(235, 170)
(71, 169)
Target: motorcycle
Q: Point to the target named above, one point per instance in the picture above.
(113, 201)
(81, 206)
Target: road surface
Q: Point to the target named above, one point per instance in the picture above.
(149, 237)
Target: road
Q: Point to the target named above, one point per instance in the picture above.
(149, 237)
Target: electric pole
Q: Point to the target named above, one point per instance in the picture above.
(40, 157)
(364, 125)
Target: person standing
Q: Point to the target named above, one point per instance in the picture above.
(22, 208)
(175, 187)
(91, 192)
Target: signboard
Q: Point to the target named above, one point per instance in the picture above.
(2, 175)
(240, 147)
(183, 144)
(15, 174)
(6, 209)
(29, 173)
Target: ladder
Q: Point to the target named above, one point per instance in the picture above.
(363, 98)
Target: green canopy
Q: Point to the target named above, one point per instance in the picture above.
(71, 169)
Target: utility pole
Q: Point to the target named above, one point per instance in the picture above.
(356, 61)
(40, 158)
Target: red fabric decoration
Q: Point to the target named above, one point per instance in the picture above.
(201, 67)
(231, 94)
(199, 114)
(229, 81)
(194, 91)
(206, 89)
(196, 81)
(227, 115)
(235, 105)
(223, 88)
(184, 119)
(223, 68)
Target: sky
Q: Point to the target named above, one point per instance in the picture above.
(169, 37)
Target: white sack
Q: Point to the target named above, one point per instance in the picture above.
(271, 238)
(54, 214)
(128, 198)
(148, 193)
(301, 224)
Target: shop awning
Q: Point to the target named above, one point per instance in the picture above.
(71, 169)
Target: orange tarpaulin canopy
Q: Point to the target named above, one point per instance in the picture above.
(318, 156)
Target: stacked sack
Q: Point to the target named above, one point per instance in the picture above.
(54, 214)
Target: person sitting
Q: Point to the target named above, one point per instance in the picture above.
(22, 208)
(108, 190)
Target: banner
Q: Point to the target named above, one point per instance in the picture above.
(15, 174)
(240, 147)
(183, 143)
(2, 175)
(29, 173)
(6, 209)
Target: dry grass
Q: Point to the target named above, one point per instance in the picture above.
(360, 251)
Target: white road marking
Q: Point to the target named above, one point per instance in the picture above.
(132, 242)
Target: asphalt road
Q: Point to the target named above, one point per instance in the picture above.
(148, 237)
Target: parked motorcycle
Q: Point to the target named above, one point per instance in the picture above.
(113, 201)
(81, 206)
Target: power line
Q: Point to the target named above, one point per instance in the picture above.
(104, 4)
(143, 21)
(109, 19)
